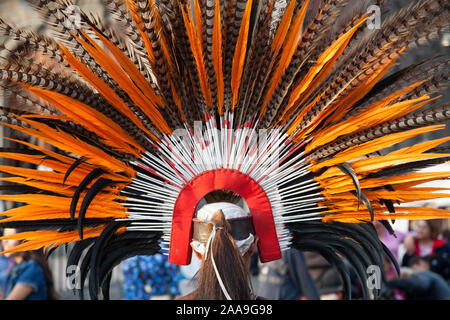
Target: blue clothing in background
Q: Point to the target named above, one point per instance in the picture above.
(5, 264)
(149, 276)
(28, 273)
(426, 285)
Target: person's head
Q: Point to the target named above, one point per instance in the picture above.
(419, 264)
(427, 229)
(8, 244)
(228, 230)
(445, 235)
(36, 255)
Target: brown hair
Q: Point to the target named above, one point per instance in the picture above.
(434, 226)
(230, 265)
(39, 257)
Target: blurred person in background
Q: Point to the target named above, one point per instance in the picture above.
(324, 276)
(445, 225)
(419, 283)
(445, 235)
(287, 278)
(426, 242)
(392, 242)
(150, 277)
(5, 266)
(30, 277)
(389, 274)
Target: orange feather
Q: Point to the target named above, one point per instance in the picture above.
(290, 43)
(145, 104)
(343, 105)
(378, 112)
(131, 69)
(409, 213)
(372, 146)
(69, 144)
(239, 54)
(316, 74)
(38, 239)
(421, 147)
(217, 57)
(196, 47)
(280, 35)
(90, 118)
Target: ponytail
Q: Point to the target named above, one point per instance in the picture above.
(230, 266)
(39, 257)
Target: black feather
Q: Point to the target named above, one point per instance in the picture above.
(328, 253)
(105, 286)
(97, 252)
(49, 251)
(388, 227)
(77, 251)
(74, 165)
(358, 243)
(121, 253)
(53, 224)
(368, 205)
(348, 170)
(84, 269)
(96, 188)
(88, 179)
(392, 258)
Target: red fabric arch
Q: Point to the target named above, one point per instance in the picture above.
(222, 179)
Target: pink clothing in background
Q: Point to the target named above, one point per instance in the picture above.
(391, 242)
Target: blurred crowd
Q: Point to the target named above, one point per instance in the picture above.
(423, 254)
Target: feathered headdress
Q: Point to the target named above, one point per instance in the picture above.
(286, 104)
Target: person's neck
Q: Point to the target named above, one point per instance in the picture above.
(18, 259)
(426, 242)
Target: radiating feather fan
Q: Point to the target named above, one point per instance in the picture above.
(286, 100)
